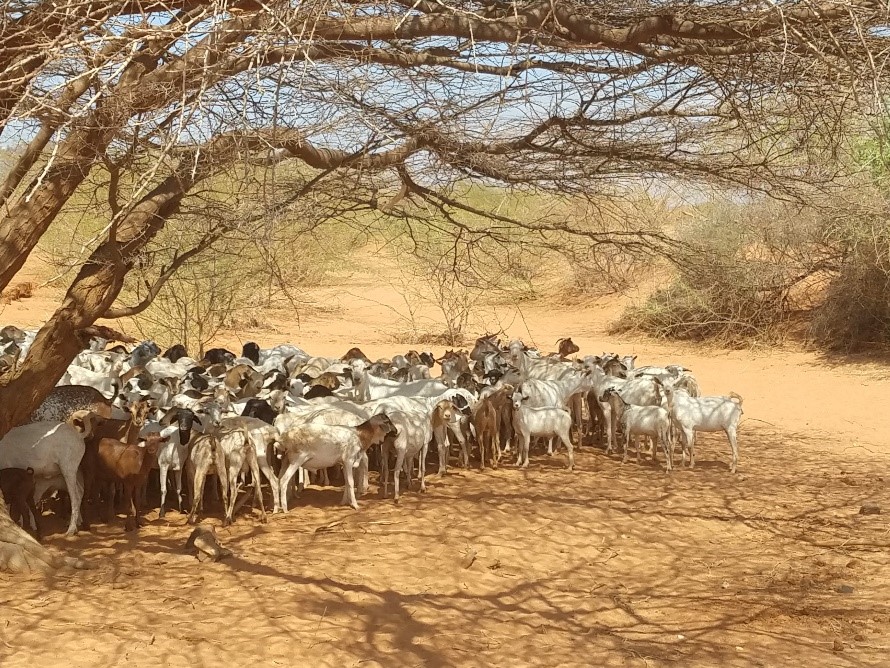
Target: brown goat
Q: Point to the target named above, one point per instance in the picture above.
(17, 487)
(502, 402)
(328, 379)
(128, 464)
(374, 430)
(566, 347)
(243, 381)
(355, 354)
(125, 431)
(485, 422)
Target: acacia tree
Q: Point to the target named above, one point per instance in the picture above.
(402, 101)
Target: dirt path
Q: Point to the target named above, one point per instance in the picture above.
(610, 565)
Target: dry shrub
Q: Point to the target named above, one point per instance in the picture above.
(232, 286)
(614, 258)
(731, 313)
(17, 291)
(739, 276)
(855, 313)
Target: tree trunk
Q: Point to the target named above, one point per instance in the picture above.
(91, 294)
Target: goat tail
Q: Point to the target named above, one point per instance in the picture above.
(736, 397)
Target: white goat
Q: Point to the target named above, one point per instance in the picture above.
(562, 393)
(369, 388)
(171, 455)
(440, 428)
(263, 437)
(317, 446)
(707, 414)
(339, 415)
(105, 382)
(547, 421)
(236, 447)
(643, 391)
(651, 421)
(54, 451)
(415, 431)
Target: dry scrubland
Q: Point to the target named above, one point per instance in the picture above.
(610, 565)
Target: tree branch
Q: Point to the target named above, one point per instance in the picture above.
(153, 290)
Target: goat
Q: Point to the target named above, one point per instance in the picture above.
(262, 436)
(317, 391)
(485, 345)
(243, 381)
(708, 414)
(651, 421)
(457, 424)
(204, 454)
(441, 417)
(546, 421)
(562, 393)
(369, 387)
(566, 347)
(412, 439)
(340, 415)
(454, 363)
(53, 450)
(143, 353)
(174, 353)
(251, 351)
(17, 486)
(637, 391)
(128, 464)
(64, 401)
(355, 354)
(218, 356)
(485, 422)
(236, 449)
(316, 446)
(126, 431)
(177, 426)
(501, 398)
(259, 408)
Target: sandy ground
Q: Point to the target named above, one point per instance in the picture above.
(610, 565)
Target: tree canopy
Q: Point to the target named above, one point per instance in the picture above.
(387, 103)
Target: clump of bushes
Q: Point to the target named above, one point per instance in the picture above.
(748, 273)
(855, 313)
(736, 272)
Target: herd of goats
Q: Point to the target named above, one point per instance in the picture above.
(281, 414)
